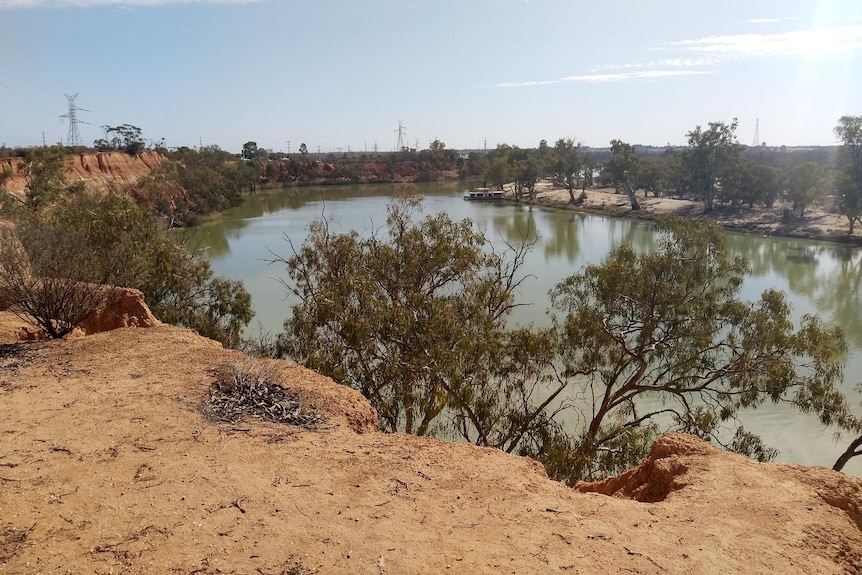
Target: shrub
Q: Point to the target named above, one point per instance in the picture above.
(55, 260)
(250, 388)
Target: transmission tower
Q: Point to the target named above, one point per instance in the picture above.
(402, 131)
(757, 132)
(74, 138)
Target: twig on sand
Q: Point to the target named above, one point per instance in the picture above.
(647, 557)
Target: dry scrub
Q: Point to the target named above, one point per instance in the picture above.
(248, 388)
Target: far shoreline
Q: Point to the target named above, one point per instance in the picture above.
(778, 221)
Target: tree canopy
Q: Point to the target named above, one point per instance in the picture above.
(710, 152)
(661, 340)
(414, 317)
(849, 132)
(55, 261)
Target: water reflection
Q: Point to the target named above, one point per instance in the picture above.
(818, 277)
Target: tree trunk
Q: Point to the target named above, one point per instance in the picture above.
(849, 454)
(632, 198)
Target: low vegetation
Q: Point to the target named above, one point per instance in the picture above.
(66, 245)
(250, 388)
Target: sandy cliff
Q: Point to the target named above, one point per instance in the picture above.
(99, 170)
(108, 465)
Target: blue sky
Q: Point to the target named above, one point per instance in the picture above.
(340, 74)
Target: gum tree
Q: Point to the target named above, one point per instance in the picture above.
(849, 132)
(414, 317)
(661, 341)
(567, 167)
(710, 152)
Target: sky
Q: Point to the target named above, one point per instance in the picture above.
(339, 75)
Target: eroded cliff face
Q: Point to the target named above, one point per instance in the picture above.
(98, 170)
(108, 464)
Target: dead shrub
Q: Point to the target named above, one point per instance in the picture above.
(249, 388)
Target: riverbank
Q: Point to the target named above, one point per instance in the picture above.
(817, 223)
(110, 462)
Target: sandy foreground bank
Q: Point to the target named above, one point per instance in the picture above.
(108, 465)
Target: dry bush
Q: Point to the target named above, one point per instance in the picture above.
(250, 388)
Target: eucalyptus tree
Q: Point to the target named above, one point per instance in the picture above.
(588, 170)
(806, 184)
(249, 150)
(414, 317)
(44, 172)
(662, 341)
(849, 132)
(480, 166)
(500, 169)
(651, 175)
(710, 153)
(567, 167)
(622, 166)
(745, 182)
(125, 137)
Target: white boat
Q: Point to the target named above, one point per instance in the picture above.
(483, 194)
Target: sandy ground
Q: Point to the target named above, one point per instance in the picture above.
(816, 223)
(108, 465)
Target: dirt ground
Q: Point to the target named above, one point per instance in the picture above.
(109, 465)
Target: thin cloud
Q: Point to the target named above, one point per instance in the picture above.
(798, 43)
(667, 63)
(24, 4)
(699, 53)
(773, 20)
(604, 78)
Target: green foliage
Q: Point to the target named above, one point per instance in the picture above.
(711, 152)
(747, 182)
(45, 172)
(662, 339)
(480, 166)
(805, 185)
(849, 132)
(751, 445)
(7, 200)
(415, 320)
(56, 261)
(125, 137)
(499, 172)
(567, 165)
(651, 175)
(621, 165)
(249, 150)
(196, 184)
(182, 290)
(622, 168)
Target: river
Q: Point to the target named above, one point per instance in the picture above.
(818, 277)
